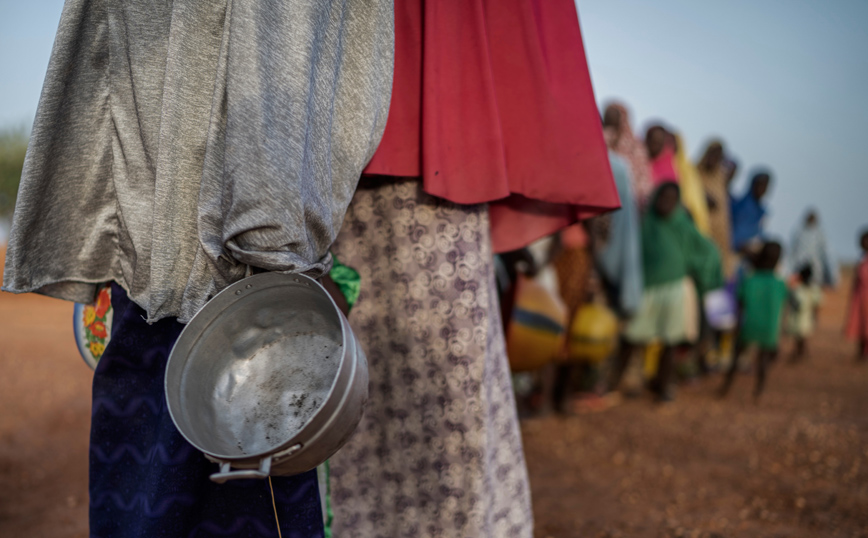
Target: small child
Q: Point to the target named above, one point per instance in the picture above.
(761, 297)
(672, 249)
(806, 298)
(857, 318)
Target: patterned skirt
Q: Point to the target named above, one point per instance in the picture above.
(438, 452)
(145, 479)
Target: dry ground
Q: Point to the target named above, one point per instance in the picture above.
(794, 465)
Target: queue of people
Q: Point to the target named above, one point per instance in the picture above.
(690, 272)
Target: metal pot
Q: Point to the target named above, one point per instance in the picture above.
(268, 378)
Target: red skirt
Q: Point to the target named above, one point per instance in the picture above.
(492, 102)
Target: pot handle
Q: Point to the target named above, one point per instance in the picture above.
(226, 472)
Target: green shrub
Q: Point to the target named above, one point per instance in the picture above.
(13, 146)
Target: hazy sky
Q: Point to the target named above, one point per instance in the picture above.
(783, 82)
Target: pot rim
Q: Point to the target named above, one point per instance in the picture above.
(213, 311)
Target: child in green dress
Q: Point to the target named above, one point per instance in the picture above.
(761, 297)
(672, 249)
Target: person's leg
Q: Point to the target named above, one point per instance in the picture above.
(640, 331)
(862, 353)
(676, 324)
(773, 356)
(553, 385)
(563, 386)
(799, 351)
(588, 377)
(703, 349)
(725, 347)
(763, 359)
(662, 384)
(622, 359)
(705, 344)
(733, 369)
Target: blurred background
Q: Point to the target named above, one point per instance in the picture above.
(781, 83)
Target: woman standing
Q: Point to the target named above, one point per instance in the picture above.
(809, 248)
(713, 174)
(857, 317)
(176, 146)
(480, 112)
(748, 214)
(621, 140)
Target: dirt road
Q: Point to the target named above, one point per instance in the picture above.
(45, 420)
(796, 465)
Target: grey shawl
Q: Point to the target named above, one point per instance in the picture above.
(177, 143)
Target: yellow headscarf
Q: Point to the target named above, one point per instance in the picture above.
(692, 191)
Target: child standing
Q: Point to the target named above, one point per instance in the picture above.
(857, 319)
(672, 249)
(802, 312)
(761, 298)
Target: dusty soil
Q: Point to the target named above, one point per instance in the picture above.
(794, 465)
(44, 422)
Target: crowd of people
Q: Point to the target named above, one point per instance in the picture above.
(687, 267)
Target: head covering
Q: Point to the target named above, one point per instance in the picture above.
(704, 164)
(747, 217)
(663, 167)
(634, 152)
(672, 248)
(809, 248)
(619, 261)
(692, 191)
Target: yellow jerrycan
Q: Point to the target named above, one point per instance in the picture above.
(537, 326)
(593, 334)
